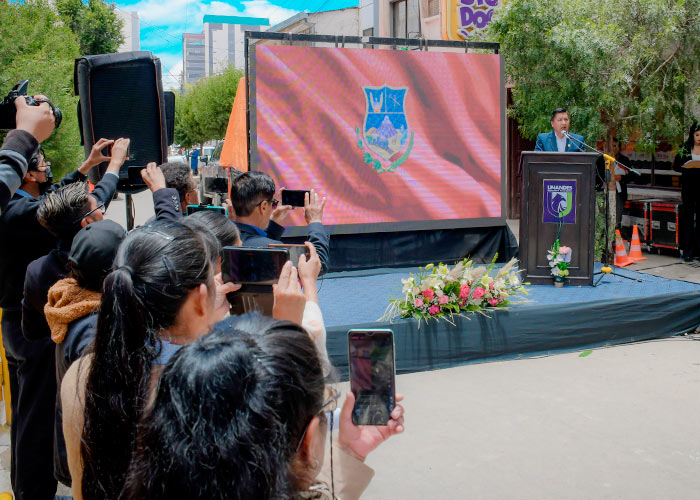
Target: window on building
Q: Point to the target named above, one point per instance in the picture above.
(433, 8)
(368, 32)
(405, 18)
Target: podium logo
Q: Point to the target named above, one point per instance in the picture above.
(559, 204)
(385, 137)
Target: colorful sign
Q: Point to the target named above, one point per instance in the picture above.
(463, 19)
(559, 204)
(386, 140)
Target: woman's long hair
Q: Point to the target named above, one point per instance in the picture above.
(229, 414)
(154, 270)
(690, 142)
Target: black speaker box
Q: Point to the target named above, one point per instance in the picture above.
(121, 95)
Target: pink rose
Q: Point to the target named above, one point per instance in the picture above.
(443, 300)
(464, 301)
(464, 291)
(434, 309)
(493, 302)
(478, 292)
(491, 286)
(429, 294)
(564, 250)
(418, 302)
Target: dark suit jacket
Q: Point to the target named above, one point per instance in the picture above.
(318, 236)
(548, 142)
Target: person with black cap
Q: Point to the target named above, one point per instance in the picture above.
(71, 311)
(25, 240)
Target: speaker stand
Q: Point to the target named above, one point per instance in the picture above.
(128, 204)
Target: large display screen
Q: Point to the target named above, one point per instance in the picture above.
(394, 139)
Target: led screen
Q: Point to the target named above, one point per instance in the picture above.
(391, 137)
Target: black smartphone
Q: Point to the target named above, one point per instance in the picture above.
(293, 197)
(295, 251)
(261, 266)
(107, 151)
(372, 375)
(199, 208)
(134, 174)
(216, 185)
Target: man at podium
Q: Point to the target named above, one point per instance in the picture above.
(559, 139)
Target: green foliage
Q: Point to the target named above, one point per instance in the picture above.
(35, 46)
(96, 24)
(202, 114)
(621, 67)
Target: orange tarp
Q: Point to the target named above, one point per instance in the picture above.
(235, 151)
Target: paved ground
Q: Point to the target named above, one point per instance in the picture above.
(619, 423)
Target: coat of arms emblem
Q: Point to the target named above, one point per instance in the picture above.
(385, 136)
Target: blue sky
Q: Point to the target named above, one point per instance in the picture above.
(162, 22)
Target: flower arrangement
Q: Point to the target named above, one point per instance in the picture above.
(559, 257)
(438, 292)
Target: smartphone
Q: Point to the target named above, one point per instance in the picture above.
(134, 174)
(295, 251)
(293, 197)
(107, 151)
(199, 208)
(260, 266)
(216, 185)
(372, 375)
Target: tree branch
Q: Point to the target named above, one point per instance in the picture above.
(663, 64)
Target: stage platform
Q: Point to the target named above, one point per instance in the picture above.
(625, 308)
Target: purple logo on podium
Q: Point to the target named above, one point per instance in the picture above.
(559, 205)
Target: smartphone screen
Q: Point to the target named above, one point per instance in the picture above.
(295, 251)
(134, 174)
(293, 197)
(216, 184)
(253, 265)
(372, 379)
(198, 208)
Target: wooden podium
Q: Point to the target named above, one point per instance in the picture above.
(558, 189)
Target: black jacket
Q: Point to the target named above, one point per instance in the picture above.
(16, 151)
(690, 177)
(44, 272)
(80, 335)
(318, 236)
(23, 240)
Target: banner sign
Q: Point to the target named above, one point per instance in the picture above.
(559, 204)
(463, 19)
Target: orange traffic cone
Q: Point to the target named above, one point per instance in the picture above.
(621, 259)
(636, 246)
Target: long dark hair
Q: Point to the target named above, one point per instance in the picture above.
(690, 142)
(229, 414)
(154, 270)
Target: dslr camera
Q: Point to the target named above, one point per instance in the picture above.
(8, 110)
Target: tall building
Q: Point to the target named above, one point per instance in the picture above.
(130, 30)
(192, 57)
(224, 40)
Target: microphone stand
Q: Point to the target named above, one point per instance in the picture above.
(610, 161)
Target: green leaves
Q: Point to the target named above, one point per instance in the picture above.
(621, 67)
(202, 114)
(96, 24)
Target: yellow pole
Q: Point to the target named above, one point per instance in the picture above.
(5, 379)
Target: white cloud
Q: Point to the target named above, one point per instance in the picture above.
(172, 75)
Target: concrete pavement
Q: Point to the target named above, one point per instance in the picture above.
(618, 423)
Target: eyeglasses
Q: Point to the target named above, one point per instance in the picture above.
(331, 395)
(272, 201)
(100, 206)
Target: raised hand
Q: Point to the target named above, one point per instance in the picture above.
(153, 176)
(96, 157)
(313, 207)
(289, 300)
(359, 440)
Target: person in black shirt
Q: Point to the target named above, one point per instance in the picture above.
(30, 364)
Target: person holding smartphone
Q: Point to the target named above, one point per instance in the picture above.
(259, 215)
(268, 375)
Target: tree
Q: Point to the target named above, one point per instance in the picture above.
(622, 67)
(627, 68)
(34, 45)
(202, 114)
(96, 24)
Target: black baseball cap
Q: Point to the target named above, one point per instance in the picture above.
(93, 251)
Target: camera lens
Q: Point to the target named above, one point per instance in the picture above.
(58, 116)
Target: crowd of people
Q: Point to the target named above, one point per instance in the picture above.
(129, 377)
